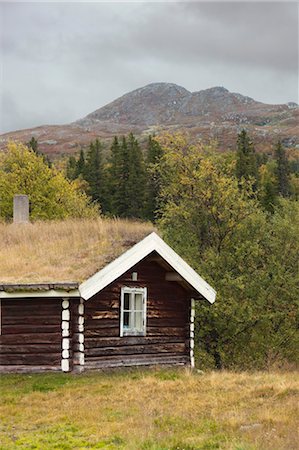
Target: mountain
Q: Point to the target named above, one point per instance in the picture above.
(210, 114)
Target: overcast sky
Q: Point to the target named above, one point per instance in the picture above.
(61, 61)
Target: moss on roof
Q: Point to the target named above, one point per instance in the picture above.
(64, 251)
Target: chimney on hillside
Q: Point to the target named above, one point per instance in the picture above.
(20, 209)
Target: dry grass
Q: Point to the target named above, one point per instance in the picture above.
(70, 250)
(150, 410)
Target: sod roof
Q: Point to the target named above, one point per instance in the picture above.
(67, 251)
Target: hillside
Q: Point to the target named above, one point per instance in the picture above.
(210, 114)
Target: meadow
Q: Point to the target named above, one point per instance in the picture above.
(157, 409)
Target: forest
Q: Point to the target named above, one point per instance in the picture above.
(232, 216)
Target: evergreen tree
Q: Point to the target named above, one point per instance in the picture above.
(33, 144)
(93, 171)
(118, 174)
(127, 181)
(154, 154)
(80, 165)
(136, 183)
(71, 168)
(282, 171)
(246, 165)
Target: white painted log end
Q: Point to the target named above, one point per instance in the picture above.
(81, 338)
(65, 304)
(192, 303)
(66, 314)
(192, 326)
(81, 309)
(191, 343)
(192, 362)
(81, 347)
(81, 359)
(65, 344)
(65, 365)
(65, 354)
(81, 320)
(65, 325)
(65, 333)
(81, 328)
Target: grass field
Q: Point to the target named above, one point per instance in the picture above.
(150, 410)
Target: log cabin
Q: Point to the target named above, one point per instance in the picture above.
(133, 310)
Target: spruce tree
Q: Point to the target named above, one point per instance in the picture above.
(80, 165)
(33, 144)
(154, 154)
(136, 183)
(246, 165)
(118, 175)
(127, 181)
(71, 168)
(93, 172)
(282, 171)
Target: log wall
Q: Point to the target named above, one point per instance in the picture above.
(30, 337)
(167, 337)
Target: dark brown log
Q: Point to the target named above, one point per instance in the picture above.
(136, 350)
(51, 359)
(129, 340)
(38, 338)
(28, 369)
(148, 361)
(29, 320)
(29, 348)
(19, 329)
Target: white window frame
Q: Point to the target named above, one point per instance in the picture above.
(133, 290)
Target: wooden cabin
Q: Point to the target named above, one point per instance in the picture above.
(137, 310)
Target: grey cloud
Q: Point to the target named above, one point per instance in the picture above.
(63, 60)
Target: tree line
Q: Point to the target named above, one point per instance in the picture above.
(127, 183)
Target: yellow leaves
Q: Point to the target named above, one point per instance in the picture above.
(50, 194)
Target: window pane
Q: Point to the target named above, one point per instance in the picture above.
(138, 321)
(138, 302)
(126, 319)
(126, 301)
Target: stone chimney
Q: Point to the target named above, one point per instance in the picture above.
(21, 209)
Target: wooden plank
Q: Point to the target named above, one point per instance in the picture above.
(125, 362)
(32, 321)
(33, 338)
(136, 350)
(30, 348)
(35, 359)
(28, 369)
(21, 303)
(19, 329)
(130, 340)
(103, 332)
(166, 331)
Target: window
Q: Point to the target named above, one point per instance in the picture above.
(133, 312)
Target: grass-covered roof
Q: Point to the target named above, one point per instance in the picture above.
(64, 251)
